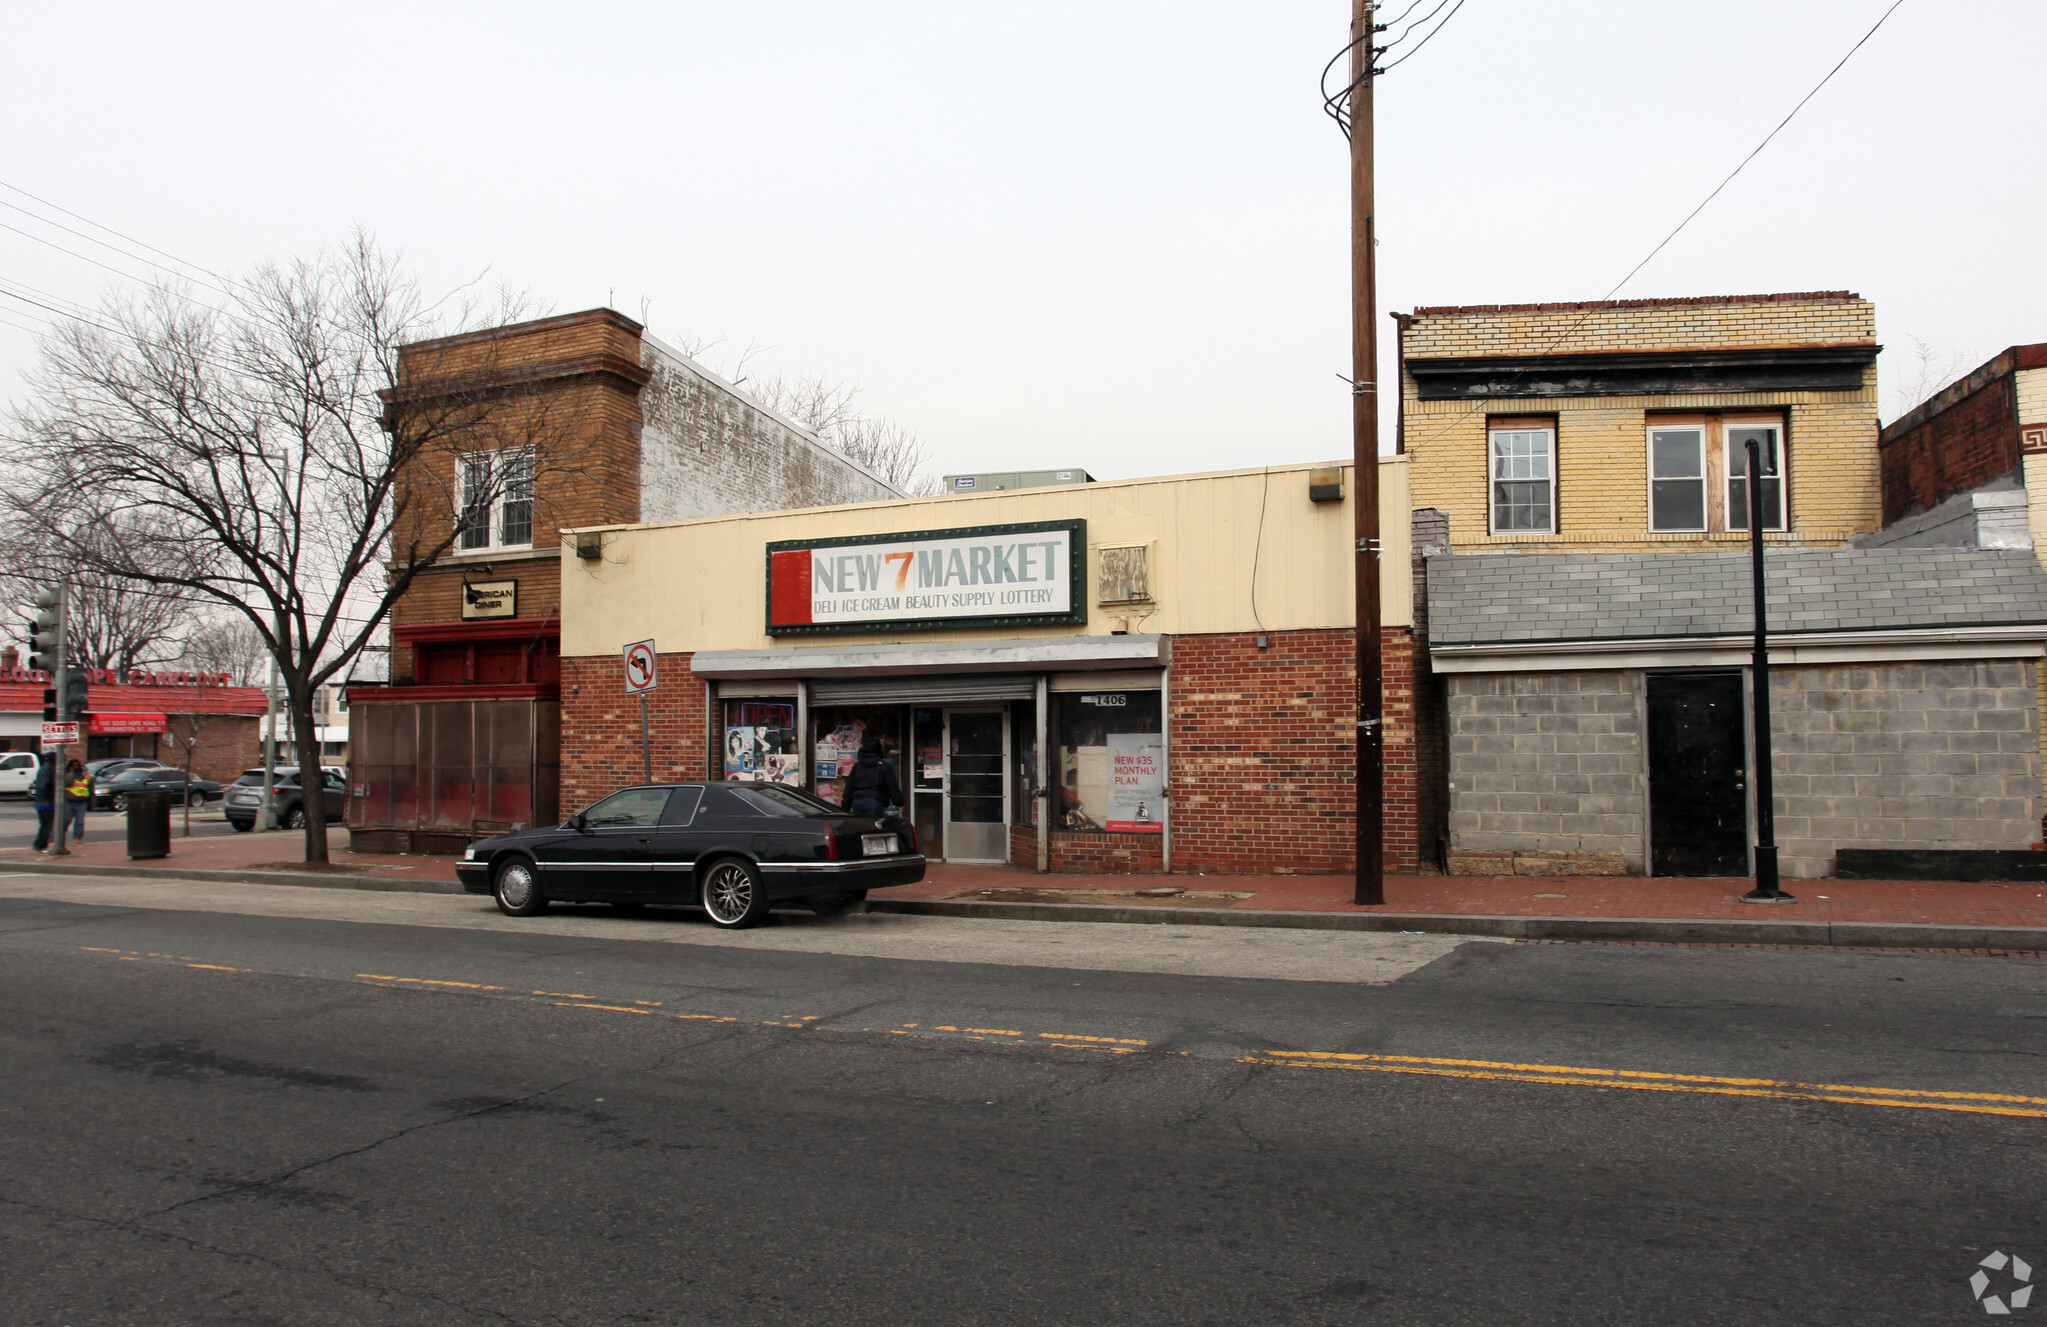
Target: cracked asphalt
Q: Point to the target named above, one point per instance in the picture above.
(230, 1118)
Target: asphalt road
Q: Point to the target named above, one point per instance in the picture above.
(213, 1116)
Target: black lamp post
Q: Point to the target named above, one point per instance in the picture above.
(1766, 890)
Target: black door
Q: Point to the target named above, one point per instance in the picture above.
(1698, 803)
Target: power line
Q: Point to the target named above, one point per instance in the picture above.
(1425, 40)
(1689, 216)
(13, 188)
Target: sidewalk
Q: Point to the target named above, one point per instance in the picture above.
(1912, 913)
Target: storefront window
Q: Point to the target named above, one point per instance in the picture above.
(840, 729)
(1112, 765)
(760, 742)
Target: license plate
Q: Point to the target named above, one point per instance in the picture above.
(877, 845)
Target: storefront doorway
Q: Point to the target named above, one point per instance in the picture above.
(976, 788)
(1698, 810)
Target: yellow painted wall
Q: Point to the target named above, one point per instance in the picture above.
(2032, 392)
(701, 584)
(1602, 442)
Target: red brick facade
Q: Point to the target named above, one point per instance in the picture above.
(1262, 749)
(1963, 446)
(600, 728)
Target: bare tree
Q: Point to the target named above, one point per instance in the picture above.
(266, 440)
(113, 624)
(1923, 374)
(832, 411)
(225, 645)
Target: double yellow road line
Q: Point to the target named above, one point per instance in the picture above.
(1643, 1080)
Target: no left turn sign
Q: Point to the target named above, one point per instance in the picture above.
(642, 672)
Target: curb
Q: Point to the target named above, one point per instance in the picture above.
(383, 884)
(1666, 930)
(1669, 930)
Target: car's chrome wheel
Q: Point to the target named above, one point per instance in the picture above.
(733, 896)
(518, 892)
(120, 803)
(295, 818)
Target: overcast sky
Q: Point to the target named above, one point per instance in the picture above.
(1110, 234)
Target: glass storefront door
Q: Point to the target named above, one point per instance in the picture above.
(976, 785)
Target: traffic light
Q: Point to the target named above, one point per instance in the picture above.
(49, 704)
(46, 630)
(73, 702)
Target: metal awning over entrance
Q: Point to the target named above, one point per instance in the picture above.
(923, 689)
(936, 659)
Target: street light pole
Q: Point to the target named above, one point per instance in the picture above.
(1766, 890)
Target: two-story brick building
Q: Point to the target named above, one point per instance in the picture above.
(573, 421)
(1580, 473)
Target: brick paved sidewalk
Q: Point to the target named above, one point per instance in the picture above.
(1891, 901)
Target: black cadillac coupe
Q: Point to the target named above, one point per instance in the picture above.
(735, 849)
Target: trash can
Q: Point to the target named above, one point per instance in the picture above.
(149, 823)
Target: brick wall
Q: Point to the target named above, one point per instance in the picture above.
(706, 450)
(1263, 752)
(1547, 762)
(1903, 756)
(600, 728)
(1964, 446)
(223, 745)
(1602, 477)
(1089, 854)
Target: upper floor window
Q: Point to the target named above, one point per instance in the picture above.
(1698, 473)
(494, 492)
(1767, 437)
(1523, 468)
(1677, 478)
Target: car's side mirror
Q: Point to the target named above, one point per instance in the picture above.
(578, 823)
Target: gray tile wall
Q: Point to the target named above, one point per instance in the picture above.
(1903, 756)
(1547, 762)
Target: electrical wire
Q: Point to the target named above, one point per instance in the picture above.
(1417, 23)
(217, 276)
(1425, 40)
(1606, 299)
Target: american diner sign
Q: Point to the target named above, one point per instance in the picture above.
(929, 580)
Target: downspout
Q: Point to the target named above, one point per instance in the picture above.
(1166, 753)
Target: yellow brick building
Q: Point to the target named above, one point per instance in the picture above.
(1619, 426)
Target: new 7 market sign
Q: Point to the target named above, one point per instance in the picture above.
(928, 580)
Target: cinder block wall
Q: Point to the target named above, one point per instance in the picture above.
(1547, 762)
(1903, 756)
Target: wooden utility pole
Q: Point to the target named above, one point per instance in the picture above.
(1371, 764)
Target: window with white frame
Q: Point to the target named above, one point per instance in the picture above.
(1523, 465)
(1677, 477)
(1768, 436)
(494, 493)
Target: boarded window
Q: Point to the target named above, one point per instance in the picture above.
(1125, 574)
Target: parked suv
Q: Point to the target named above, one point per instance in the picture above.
(245, 798)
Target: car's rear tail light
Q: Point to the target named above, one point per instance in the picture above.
(910, 834)
(831, 845)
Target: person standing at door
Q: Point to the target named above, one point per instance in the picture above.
(77, 796)
(872, 787)
(45, 794)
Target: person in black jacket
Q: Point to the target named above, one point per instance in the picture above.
(872, 787)
(45, 792)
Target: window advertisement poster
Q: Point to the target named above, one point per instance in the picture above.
(760, 743)
(990, 575)
(1137, 783)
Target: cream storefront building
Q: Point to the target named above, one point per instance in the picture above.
(1143, 675)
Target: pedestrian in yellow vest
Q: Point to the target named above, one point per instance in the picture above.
(77, 796)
